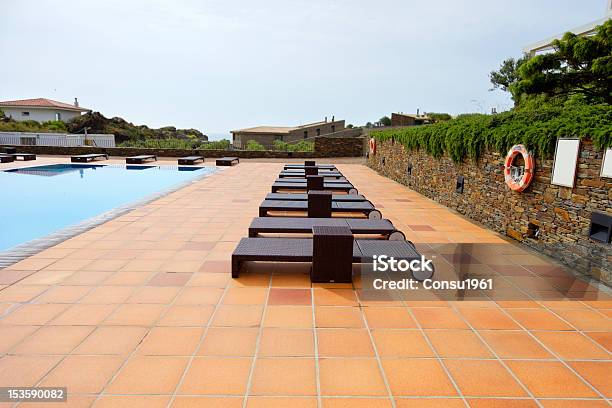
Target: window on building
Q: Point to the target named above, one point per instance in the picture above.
(318, 132)
(58, 116)
(25, 113)
(305, 134)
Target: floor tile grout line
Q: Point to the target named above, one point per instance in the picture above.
(552, 311)
(53, 318)
(133, 353)
(264, 312)
(498, 359)
(65, 356)
(316, 348)
(379, 363)
(199, 345)
(557, 356)
(437, 356)
(542, 306)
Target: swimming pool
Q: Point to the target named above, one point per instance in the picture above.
(40, 200)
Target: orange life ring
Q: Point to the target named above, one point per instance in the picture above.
(519, 178)
(372, 145)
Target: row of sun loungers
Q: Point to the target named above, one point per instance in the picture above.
(333, 248)
(10, 154)
(143, 158)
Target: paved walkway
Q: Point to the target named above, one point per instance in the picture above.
(142, 312)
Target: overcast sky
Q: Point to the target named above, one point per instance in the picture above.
(218, 65)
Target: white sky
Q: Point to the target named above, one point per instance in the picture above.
(219, 65)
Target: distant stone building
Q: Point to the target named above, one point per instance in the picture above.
(407, 119)
(266, 135)
(41, 110)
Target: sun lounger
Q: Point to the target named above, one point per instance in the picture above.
(364, 207)
(304, 197)
(9, 150)
(24, 156)
(341, 180)
(327, 252)
(84, 158)
(227, 161)
(6, 158)
(318, 166)
(302, 174)
(190, 160)
(296, 225)
(140, 159)
(346, 187)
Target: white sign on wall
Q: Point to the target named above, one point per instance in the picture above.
(606, 166)
(566, 158)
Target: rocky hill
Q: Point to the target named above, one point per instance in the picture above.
(126, 131)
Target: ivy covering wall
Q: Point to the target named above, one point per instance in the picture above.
(468, 136)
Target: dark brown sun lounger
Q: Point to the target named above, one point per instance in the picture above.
(190, 160)
(296, 225)
(6, 158)
(327, 252)
(140, 159)
(227, 161)
(346, 187)
(301, 174)
(304, 197)
(364, 207)
(9, 150)
(318, 166)
(24, 156)
(341, 180)
(84, 158)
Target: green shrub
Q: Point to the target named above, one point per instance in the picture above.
(254, 145)
(31, 124)
(301, 146)
(151, 143)
(216, 145)
(439, 117)
(469, 135)
(55, 126)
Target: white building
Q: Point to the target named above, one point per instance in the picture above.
(587, 29)
(41, 110)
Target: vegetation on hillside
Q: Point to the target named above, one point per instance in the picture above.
(125, 131)
(32, 126)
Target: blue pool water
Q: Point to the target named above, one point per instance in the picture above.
(36, 201)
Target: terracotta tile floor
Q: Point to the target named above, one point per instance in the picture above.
(141, 312)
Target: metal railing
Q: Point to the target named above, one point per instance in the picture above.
(56, 139)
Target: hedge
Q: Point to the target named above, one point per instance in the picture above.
(468, 136)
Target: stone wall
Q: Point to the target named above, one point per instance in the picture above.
(562, 215)
(324, 147)
(340, 146)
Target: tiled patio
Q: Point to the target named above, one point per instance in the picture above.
(142, 312)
